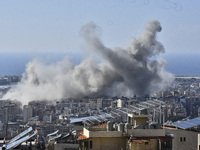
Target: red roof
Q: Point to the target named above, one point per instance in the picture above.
(146, 139)
(82, 137)
(140, 140)
(165, 138)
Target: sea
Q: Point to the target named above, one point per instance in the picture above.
(15, 63)
(183, 64)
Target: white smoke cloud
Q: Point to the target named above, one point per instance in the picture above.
(122, 71)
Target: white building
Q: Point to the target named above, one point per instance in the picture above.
(47, 118)
(119, 103)
(28, 112)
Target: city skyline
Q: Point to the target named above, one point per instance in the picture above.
(90, 74)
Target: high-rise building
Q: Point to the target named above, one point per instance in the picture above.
(28, 112)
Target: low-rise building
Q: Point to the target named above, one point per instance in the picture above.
(124, 136)
(186, 134)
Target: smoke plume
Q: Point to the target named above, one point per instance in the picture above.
(133, 69)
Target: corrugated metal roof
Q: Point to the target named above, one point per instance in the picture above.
(50, 134)
(21, 135)
(55, 137)
(103, 116)
(18, 142)
(75, 120)
(188, 124)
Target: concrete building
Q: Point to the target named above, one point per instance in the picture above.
(120, 103)
(47, 118)
(58, 142)
(33, 121)
(101, 139)
(184, 139)
(186, 134)
(151, 143)
(4, 115)
(28, 112)
(66, 146)
(122, 136)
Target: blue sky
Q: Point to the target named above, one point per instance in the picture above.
(54, 25)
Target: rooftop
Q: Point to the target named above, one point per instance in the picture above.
(188, 124)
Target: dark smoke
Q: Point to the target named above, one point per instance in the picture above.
(122, 71)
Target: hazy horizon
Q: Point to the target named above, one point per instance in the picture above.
(15, 63)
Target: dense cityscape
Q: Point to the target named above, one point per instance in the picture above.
(64, 123)
(100, 75)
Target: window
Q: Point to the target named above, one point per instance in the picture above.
(146, 143)
(184, 139)
(90, 144)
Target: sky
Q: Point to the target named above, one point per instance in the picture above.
(54, 25)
